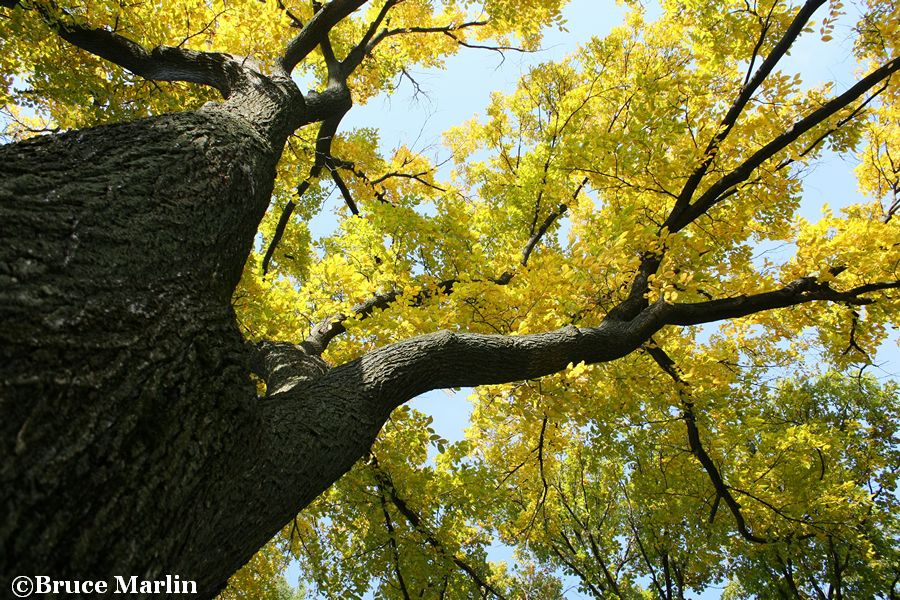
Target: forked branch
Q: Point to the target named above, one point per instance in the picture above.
(365, 46)
(315, 31)
(685, 214)
(720, 188)
(325, 159)
(740, 102)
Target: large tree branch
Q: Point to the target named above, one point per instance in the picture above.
(393, 374)
(163, 63)
(310, 413)
(315, 31)
(397, 372)
(806, 289)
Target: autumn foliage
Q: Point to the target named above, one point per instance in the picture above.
(652, 167)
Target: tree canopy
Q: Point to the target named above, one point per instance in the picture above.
(584, 233)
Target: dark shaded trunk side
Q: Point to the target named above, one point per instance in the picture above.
(124, 383)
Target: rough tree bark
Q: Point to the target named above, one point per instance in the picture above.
(128, 408)
(132, 440)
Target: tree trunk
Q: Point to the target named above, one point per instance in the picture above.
(128, 411)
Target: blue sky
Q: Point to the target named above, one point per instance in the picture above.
(463, 88)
